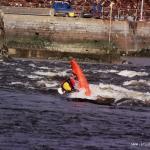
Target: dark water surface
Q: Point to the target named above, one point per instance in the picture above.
(37, 121)
(33, 116)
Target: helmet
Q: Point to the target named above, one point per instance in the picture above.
(66, 86)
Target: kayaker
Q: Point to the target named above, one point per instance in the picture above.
(68, 86)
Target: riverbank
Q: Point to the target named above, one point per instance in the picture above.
(37, 47)
(69, 37)
(66, 29)
(42, 48)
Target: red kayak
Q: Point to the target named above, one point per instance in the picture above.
(83, 83)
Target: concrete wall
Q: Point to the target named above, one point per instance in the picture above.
(69, 29)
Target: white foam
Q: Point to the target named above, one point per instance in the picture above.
(46, 68)
(47, 84)
(131, 74)
(19, 69)
(15, 83)
(51, 74)
(6, 63)
(10, 64)
(34, 77)
(113, 71)
(26, 84)
(136, 82)
(112, 91)
(63, 73)
(118, 92)
(81, 94)
(51, 85)
(106, 71)
(32, 65)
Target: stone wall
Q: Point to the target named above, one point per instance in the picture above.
(77, 29)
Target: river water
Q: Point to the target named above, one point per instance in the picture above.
(34, 116)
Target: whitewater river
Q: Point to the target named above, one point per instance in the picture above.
(34, 116)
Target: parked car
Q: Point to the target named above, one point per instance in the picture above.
(63, 9)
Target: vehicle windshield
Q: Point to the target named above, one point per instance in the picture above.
(66, 5)
(58, 5)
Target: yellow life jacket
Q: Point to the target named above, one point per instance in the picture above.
(66, 86)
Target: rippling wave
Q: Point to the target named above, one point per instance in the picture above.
(33, 115)
(126, 84)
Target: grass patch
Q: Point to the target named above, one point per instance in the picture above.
(95, 44)
(37, 41)
(28, 42)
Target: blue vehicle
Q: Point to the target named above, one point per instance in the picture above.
(63, 9)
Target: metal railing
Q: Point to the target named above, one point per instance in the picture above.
(117, 14)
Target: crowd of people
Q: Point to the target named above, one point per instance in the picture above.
(121, 8)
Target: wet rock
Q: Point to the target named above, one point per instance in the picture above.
(105, 100)
(100, 100)
(130, 102)
(126, 62)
